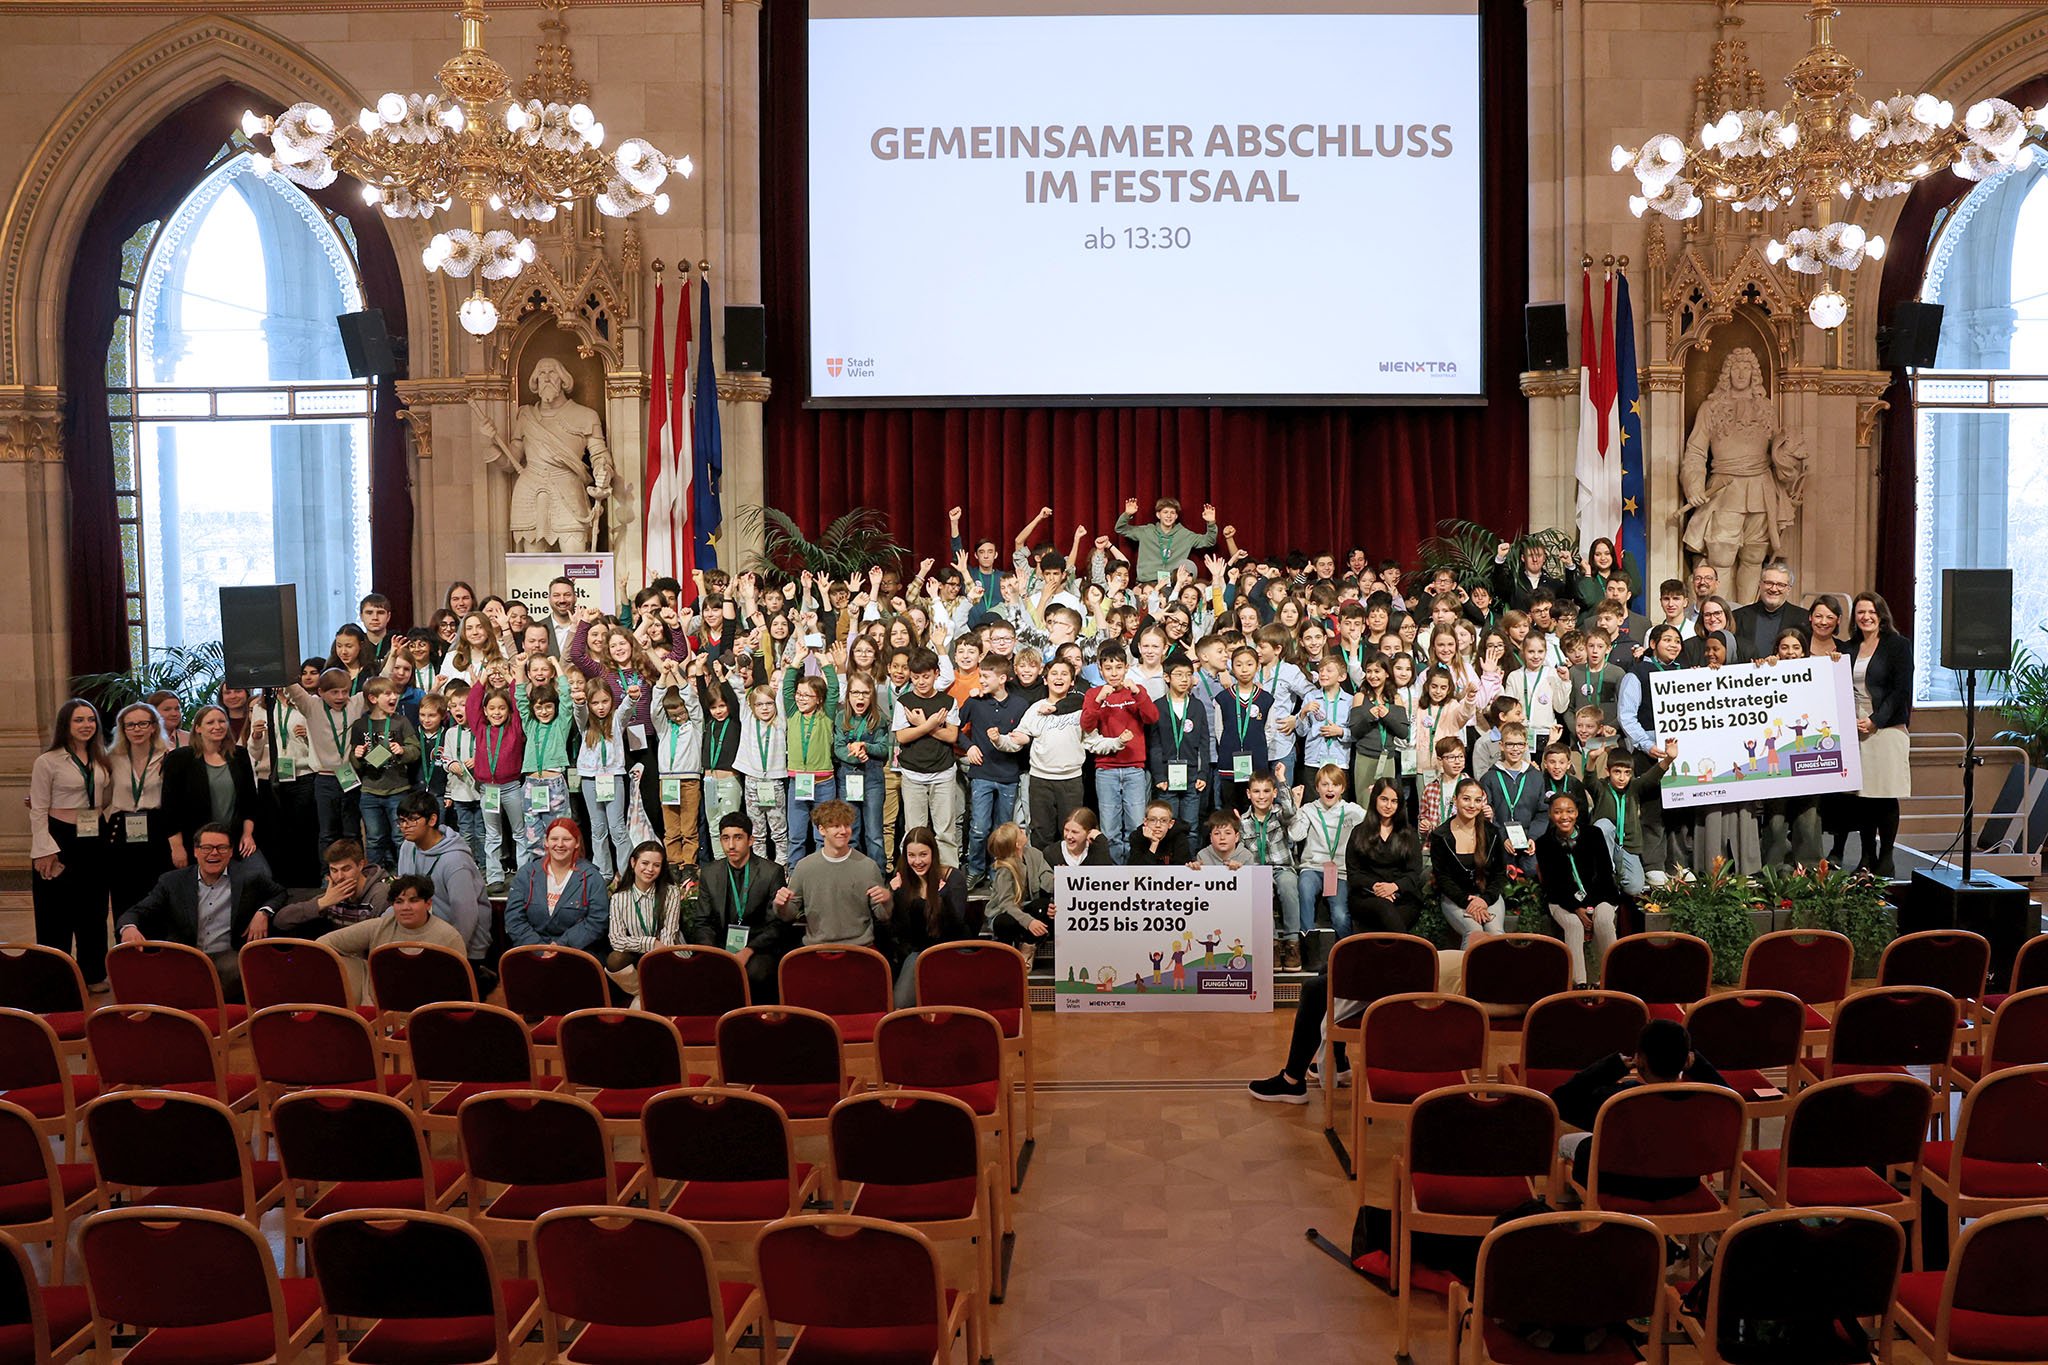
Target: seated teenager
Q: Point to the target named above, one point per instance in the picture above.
(1663, 1056)
(559, 898)
(1161, 840)
(1577, 875)
(930, 907)
(355, 890)
(410, 919)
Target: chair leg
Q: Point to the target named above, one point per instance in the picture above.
(1403, 1282)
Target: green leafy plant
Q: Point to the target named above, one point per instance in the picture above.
(1527, 911)
(856, 540)
(192, 673)
(1466, 548)
(1716, 908)
(1431, 924)
(1828, 897)
(2024, 705)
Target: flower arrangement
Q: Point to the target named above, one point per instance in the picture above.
(1527, 911)
(1829, 897)
(1714, 907)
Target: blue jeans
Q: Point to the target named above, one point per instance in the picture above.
(867, 812)
(335, 811)
(1309, 885)
(547, 800)
(610, 849)
(1628, 868)
(1187, 807)
(468, 819)
(988, 804)
(502, 831)
(1287, 887)
(1122, 793)
(800, 828)
(1465, 926)
(380, 827)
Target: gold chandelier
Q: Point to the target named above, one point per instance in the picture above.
(1826, 144)
(478, 143)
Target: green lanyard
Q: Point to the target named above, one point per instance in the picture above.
(1164, 540)
(1180, 722)
(675, 747)
(1593, 681)
(85, 774)
(494, 743)
(1329, 839)
(762, 739)
(137, 782)
(643, 906)
(380, 733)
(1345, 655)
(604, 755)
(1436, 715)
(430, 750)
(1571, 860)
(1620, 819)
(1259, 835)
(738, 887)
(1274, 686)
(340, 746)
(1244, 717)
(1528, 694)
(1521, 782)
(806, 722)
(718, 739)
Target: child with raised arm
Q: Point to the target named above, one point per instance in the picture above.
(862, 743)
(1119, 713)
(1267, 818)
(384, 750)
(599, 773)
(322, 721)
(808, 705)
(1165, 544)
(549, 728)
(763, 764)
(1059, 746)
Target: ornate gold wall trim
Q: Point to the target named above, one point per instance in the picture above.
(1834, 383)
(1550, 383)
(744, 388)
(99, 8)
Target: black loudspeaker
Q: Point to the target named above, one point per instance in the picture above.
(1992, 906)
(1976, 619)
(1914, 338)
(368, 344)
(1547, 333)
(746, 338)
(259, 635)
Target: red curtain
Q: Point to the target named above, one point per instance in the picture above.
(1286, 477)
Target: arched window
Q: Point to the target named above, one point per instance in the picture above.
(241, 444)
(1983, 412)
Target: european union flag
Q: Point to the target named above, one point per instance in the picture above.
(1634, 539)
(706, 509)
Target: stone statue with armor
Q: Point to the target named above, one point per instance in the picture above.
(1742, 474)
(557, 498)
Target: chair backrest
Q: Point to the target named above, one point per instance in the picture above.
(711, 1133)
(24, 1327)
(939, 1046)
(25, 1156)
(1667, 1132)
(533, 1137)
(388, 1263)
(2030, 967)
(1952, 960)
(842, 1271)
(1571, 1269)
(29, 1051)
(1516, 969)
(293, 971)
(977, 973)
(778, 1045)
(1572, 1030)
(40, 979)
(693, 982)
(1996, 1268)
(157, 1137)
(1813, 964)
(1894, 1026)
(347, 1135)
(2018, 1033)
(460, 1042)
(904, 1137)
(312, 1045)
(2005, 1118)
(1424, 1031)
(544, 979)
(1482, 1130)
(1370, 967)
(836, 979)
(625, 1268)
(178, 1267)
(150, 1045)
(1791, 1264)
(1659, 968)
(404, 976)
(158, 973)
(615, 1049)
(1748, 1030)
(1858, 1121)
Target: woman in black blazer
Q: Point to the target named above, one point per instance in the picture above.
(1716, 618)
(1576, 871)
(1882, 660)
(1384, 855)
(209, 781)
(1469, 857)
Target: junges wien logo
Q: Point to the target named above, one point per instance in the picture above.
(833, 365)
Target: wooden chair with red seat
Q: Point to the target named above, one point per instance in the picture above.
(164, 1147)
(545, 982)
(40, 1197)
(852, 985)
(460, 1050)
(1799, 1264)
(1953, 960)
(181, 977)
(643, 1285)
(1564, 1034)
(155, 1047)
(2029, 972)
(1884, 1030)
(296, 971)
(957, 1052)
(623, 1058)
(1838, 1137)
(405, 976)
(318, 1047)
(199, 1283)
(2016, 1034)
(1676, 1134)
(914, 1158)
(1747, 1035)
(427, 1285)
(525, 1152)
(724, 1161)
(1812, 964)
(851, 1288)
(1998, 1158)
(793, 1056)
(34, 1076)
(1570, 1270)
(1668, 972)
(981, 974)
(39, 1325)
(355, 1149)
(1507, 973)
(46, 981)
(1408, 1046)
(692, 987)
(1365, 968)
(1992, 1303)
(1473, 1152)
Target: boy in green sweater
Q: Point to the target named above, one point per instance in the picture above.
(1165, 543)
(809, 708)
(547, 724)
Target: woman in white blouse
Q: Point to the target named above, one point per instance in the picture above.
(68, 790)
(138, 839)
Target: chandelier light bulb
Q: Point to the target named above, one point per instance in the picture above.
(1874, 248)
(1859, 127)
(262, 165)
(479, 315)
(1775, 252)
(515, 117)
(1845, 189)
(525, 250)
(391, 107)
(1729, 127)
(371, 194)
(594, 135)
(1617, 159)
(497, 204)
(1827, 311)
(1926, 108)
(580, 117)
(453, 119)
(252, 123)
(1852, 237)
(1788, 136)
(661, 202)
(1637, 204)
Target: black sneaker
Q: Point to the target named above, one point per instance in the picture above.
(1279, 1090)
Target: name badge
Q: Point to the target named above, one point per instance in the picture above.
(1329, 879)
(287, 770)
(491, 798)
(538, 795)
(346, 776)
(765, 793)
(1241, 767)
(605, 790)
(671, 791)
(721, 798)
(806, 786)
(89, 824)
(736, 938)
(1518, 838)
(378, 756)
(135, 827)
(856, 786)
(636, 736)
(576, 782)
(1177, 776)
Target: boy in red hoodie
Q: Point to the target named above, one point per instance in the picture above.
(1119, 714)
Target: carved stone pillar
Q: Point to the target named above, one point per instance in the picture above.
(740, 398)
(34, 617)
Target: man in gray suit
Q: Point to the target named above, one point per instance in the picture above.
(214, 904)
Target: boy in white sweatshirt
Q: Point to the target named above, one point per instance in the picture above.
(1059, 746)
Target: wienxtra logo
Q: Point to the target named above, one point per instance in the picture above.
(1437, 367)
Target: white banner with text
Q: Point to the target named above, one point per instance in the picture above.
(1162, 938)
(1757, 732)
